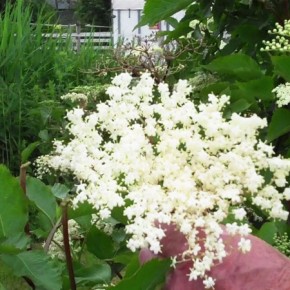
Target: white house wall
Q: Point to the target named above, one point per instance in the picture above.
(127, 4)
(127, 14)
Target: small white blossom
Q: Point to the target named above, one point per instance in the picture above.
(209, 283)
(244, 245)
(282, 94)
(239, 213)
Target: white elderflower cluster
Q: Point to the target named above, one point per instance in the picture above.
(281, 41)
(75, 97)
(102, 225)
(56, 248)
(169, 161)
(282, 94)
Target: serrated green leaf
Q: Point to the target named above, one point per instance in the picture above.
(279, 125)
(41, 195)
(150, 275)
(238, 66)
(282, 66)
(100, 244)
(155, 11)
(13, 205)
(37, 266)
(26, 153)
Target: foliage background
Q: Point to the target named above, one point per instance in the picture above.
(33, 75)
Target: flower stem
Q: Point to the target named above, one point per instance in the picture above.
(23, 186)
(67, 251)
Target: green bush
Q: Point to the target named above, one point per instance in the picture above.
(34, 72)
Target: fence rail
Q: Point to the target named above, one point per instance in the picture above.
(101, 39)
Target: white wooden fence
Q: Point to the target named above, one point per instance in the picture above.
(100, 39)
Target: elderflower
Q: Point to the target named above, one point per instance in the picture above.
(281, 41)
(56, 249)
(169, 161)
(282, 94)
(74, 97)
(244, 245)
(208, 283)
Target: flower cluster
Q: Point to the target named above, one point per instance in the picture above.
(56, 249)
(74, 97)
(282, 94)
(282, 243)
(169, 161)
(281, 41)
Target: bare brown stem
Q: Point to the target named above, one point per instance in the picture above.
(23, 168)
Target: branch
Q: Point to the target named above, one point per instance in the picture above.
(51, 235)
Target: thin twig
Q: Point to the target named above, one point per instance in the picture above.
(51, 235)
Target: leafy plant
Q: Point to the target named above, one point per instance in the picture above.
(34, 72)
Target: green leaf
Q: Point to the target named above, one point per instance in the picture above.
(155, 11)
(14, 244)
(13, 205)
(60, 190)
(239, 106)
(150, 275)
(2, 287)
(172, 21)
(239, 66)
(37, 266)
(133, 266)
(83, 209)
(126, 258)
(100, 244)
(260, 88)
(215, 88)
(282, 66)
(267, 232)
(96, 274)
(279, 125)
(118, 214)
(25, 154)
(41, 195)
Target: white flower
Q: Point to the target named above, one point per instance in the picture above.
(209, 282)
(239, 213)
(282, 94)
(167, 160)
(244, 245)
(75, 97)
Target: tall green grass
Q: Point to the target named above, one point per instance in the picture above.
(34, 72)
